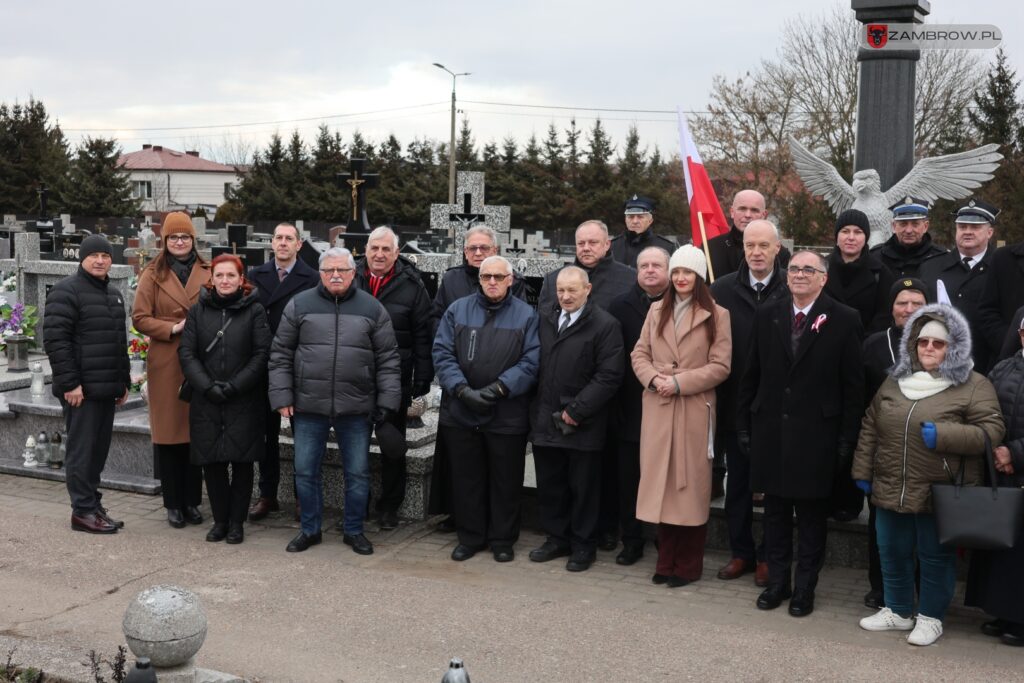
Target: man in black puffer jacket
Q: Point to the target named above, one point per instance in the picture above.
(396, 283)
(86, 342)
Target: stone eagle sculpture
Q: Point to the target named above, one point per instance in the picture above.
(950, 176)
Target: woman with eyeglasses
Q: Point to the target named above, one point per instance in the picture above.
(929, 416)
(168, 287)
(224, 350)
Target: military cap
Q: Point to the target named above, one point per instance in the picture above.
(639, 204)
(909, 209)
(977, 211)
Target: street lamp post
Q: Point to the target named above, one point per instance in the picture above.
(451, 148)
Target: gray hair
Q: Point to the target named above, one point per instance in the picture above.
(338, 252)
(497, 259)
(822, 261)
(382, 232)
(594, 221)
(661, 251)
(578, 272)
(483, 230)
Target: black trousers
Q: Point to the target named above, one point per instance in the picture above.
(229, 491)
(739, 506)
(180, 481)
(89, 428)
(874, 560)
(846, 497)
(610, 505)
(568, 490)
(812, 531)
(270, 464)
(392, 471)
(487, 485)
(629, 483)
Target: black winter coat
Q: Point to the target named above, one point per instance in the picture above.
(965, 288)
(233, 431)
(408, 304)
(580, 373)
(1003, 294)
(727, 253)
(798, 406)
(609, 280)
(880, 351)
(626, 246)
(85, 337)
(864, 286)
(627, 410)
(734, 293)
(906, 261)
(461, 281)
(275, 293)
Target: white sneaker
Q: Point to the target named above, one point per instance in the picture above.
(926, 632)
(886, 620)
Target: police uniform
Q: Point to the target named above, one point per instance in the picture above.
(906, 261)
(627, 246)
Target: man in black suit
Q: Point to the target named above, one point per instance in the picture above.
(623, 439)
(965, 270)
(727, 250)
(759, 282)
(277, 281)
(799, 410)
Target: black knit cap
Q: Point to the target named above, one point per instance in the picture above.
(905, 283)
(853, 217)
(93, 244)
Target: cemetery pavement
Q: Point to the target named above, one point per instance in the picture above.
(400, 614)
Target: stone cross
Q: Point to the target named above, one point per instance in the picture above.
(44, 193)
(454, 220)
(359, 182)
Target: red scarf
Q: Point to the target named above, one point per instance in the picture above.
(377, 282)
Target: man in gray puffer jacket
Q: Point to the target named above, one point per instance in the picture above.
(334, 363)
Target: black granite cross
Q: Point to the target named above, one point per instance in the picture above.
(359, 182)
(467, 219)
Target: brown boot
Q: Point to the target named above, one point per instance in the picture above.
(263, 507)
(761, 574)
(734, 569)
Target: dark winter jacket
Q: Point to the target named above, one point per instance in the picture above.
(408, 304)
(1003, 294)
(335, 355)
(734, 293)
(1011, 342)
(609, 280)
(727, 253)
(906, 261)
(863, 285)
(275, 293)
(230, 431)
(85, 337)
(580, 372)
(627, 245)
(461, 281)
(881, 350)
(891, 453)
(1008, 379)
(964, 287)
(478, 343)
(627, 409)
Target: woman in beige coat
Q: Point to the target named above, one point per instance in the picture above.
(684, 352)
(168, 287)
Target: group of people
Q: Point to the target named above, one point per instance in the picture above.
(812, 380)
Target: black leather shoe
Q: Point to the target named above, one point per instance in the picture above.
(802, 603)
(92, 523)
(388, 520)
(874, 599)
(193, 515)
(548, 551)
(235, 534)
(676, 581)
(1013, 637)
(218, 532)
(175, 518)
(503, 554)
(302, 542)
(102, 512)
(463, 552)
(360, 543)
(772, 596)
(607, 541)
(580, 561)
(995, 628)
(630, 554)
(660, 579)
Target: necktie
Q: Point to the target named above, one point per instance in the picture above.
(967, 261)
(798, 322)
(281, 272)
(565, 323)
(758, 288)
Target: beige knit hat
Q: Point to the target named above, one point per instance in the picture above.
(933, 329)
(690, 257)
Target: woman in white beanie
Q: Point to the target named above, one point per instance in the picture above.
(684, 352)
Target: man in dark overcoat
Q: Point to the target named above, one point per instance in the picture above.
(799, 411)
(639, 233)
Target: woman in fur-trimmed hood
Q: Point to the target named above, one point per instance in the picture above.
(930, 414)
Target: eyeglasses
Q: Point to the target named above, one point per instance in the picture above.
(925, 342)
(492, 277)
(179, 238)
(809, 271)
(478, 249)
(333, 271)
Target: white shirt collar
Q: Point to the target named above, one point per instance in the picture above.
(754, 280)
(806, 310)
(573, 317)
(976, 259)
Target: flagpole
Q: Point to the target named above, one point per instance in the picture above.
(704, 243)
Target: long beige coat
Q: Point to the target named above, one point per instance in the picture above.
(159, 304)
(675, 471)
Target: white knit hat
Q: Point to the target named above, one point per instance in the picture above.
(689, 256)
(933, 329)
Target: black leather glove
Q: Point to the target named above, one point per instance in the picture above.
(845, 455)
(743, 439)
(215, 394)
(494, 391)
(382, 415)
(228, 388)
(475, 401)
(420, 389)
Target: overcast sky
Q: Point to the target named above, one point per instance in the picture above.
(117, 67)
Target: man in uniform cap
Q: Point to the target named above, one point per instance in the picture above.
(639, 234)
(910, 244)
(964, 271)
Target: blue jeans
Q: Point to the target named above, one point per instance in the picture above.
(353, 437)
(899, 533)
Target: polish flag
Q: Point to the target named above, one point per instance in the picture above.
(699, 192)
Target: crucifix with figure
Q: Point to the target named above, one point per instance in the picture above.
(359, 182)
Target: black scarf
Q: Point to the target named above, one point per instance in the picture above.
(182, 268)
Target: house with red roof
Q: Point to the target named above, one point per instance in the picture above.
(165, 179)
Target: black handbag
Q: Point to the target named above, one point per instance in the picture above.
(978, 517)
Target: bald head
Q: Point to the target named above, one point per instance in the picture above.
(760, 247)
(747, 205)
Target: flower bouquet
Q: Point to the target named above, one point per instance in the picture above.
(18, 319)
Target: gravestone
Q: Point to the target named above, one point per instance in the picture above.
(453, 220)
(358, 226)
